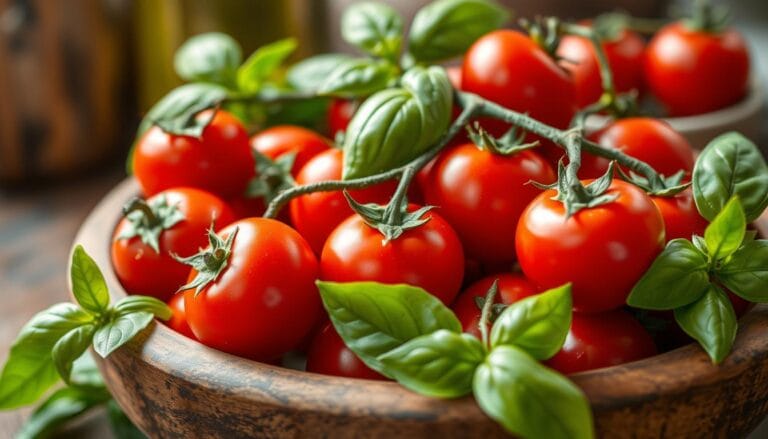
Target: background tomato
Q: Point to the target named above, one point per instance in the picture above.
(330, 356)
(278, 140)
(178, 321)
(681, 218)
(340, 112)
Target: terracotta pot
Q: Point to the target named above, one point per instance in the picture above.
(172, 386)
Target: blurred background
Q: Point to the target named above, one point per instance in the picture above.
(77, 75)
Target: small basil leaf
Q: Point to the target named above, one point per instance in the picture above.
(29, 370)
(88, 284)
(374, 318)
(537, 324)
(529, 399)
(70, 347)
(746, 271)
(726, 232)
(122, 427)
(210, 57)
(310, 73)
(730, 165)
(85, 373)
(134, 303)
(446, 28)
(119, 331)
(376, 28)
(677, 277)
(710, 320)
(263, 63)
(441, 364)
(358, 77)
(62, 406)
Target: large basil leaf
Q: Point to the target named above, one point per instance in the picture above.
(88, 284)
(375, 28)
(530, 400)
(396, 125)
(210, 57)
(710, 320)
(446, 28)
(62, 406)
(263, 63)
(119, 331)
(726, 232)
(310, 73)
(730, 165)
(746, 271)
(358, 77)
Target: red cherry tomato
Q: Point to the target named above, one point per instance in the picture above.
(219, 161)
(603, 251)
(650, 140)
(178, 321)
(602, 340)
(512, 287)
(329, 355)
(340, 112)
(483, 194)
(681, 218)
(694, 72)
(317, 214)
(142, 270)
(264, 302)
(428, 256)
(625, 58)
(278, 140)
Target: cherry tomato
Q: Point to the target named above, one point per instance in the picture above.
(602, 340)
(178, 321)
(340, 112)
(142, 270)
(650, 140)
(428, 256)
(512, 287)
(694, 72)
(220, 161)
(483, 194)
(603, 251)
(317, 214)
(330, 356)
(278, 140)
(681, 218)
(625, 58)
(264, 301)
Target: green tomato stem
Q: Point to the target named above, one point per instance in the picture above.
(606, 75)
(485, 312)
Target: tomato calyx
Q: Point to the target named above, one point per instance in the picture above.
(272, 176)
(669, 187)
(149, 220)
(545, 32)
(510, 143)
(210, 262)
(489, 312)
(707, 17)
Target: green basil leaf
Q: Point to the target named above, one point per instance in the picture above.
(308, 74)
(441, 364)
(85, 373)
(374, 318)
(119, 331)
(677, 277)
(88, 284)
(263, 63)
(529, 399)
(175, 112)
(376, 28)
(746, 271)
(133, 303)
(358, 77)
(70, 347)
(726, 232)
(537, 324)
(447, 28)
(730, 165)
(210, 57)
(396, 125)
(710, 320)
(122, 427)
(29, 370)
(62, 406)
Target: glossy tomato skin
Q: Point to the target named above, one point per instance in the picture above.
(429, 256)
(178, 321)
(278, 140)
(141, 270)
(625, 58)
(482, 195)
(603, 251)
(681, 218)
(694, 72)
(265, 300)
(512, 287)
(602, 340)
(220, 161)
(316, 215)
(329, 355)
(340, 112)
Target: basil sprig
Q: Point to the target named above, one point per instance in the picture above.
(405, 333)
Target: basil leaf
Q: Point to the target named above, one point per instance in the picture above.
(374, 318)
(358, 77)
(263, 63)
(537, 324)
(730, 165)
(131, 304)
(175, 112)
(210, 57)
(310, 73)
(119, 331)
(677, 277)
(122, 427)
(710, 320)
(85, 373)
(447, 28)
(726, 232)
(62, 406)
(88, 284)
(441, 364)
(70, 347)
(29, 370)
(746, 271)
(396, 125)
(376, 28)
(529, 399)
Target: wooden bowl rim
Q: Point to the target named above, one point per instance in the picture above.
(248, 379)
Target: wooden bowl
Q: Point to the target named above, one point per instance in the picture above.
(171, 386)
